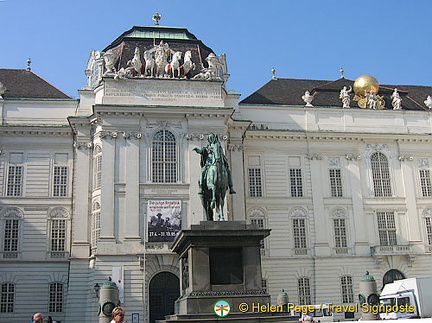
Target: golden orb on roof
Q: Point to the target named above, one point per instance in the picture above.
(366, 83)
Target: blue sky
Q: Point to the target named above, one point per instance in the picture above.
(312, 39)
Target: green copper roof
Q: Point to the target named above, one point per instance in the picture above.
(367, 276)
(161, 32)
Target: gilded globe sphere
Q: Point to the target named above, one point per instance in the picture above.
(366, 83)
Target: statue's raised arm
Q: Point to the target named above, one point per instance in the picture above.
(215, 178)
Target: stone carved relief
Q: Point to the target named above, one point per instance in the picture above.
(12, 212)
(256, 213)
(82, 144)
(427, 212)
(423, 163)
(339, 213)
(59, 212)
(334, 161)
(428, 102)
(122, 134)
(298, 213)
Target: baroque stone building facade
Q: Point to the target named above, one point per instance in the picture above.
(341, 177)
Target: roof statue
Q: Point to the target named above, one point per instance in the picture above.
(308, 98)
(2, 90)
(428, 102)
(344, 95)
(396, 100)
(215, 178)
(366, 89)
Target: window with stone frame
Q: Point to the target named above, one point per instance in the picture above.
(335, 182)
(7, 299)
(11, 238)
(299, 234)
(56, 296)
(304, 291)
(255, 184)
(14, 185)
(425, 182)
(380, 175)
(58, 235)
(428, 226)
(60, 181)
(387, 228)
(164, 157)
(97, 167)
(347, 289)
(339, 226)
(95, 233)
(296, 182)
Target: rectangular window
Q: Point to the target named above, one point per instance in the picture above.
(60, 181)
(386, 228)
(425, 182)
(347, 289)
(58, 235)
(296, 182)
(304, 292)
(14, 181)
(255, 186)
(340, 233)
(260, 224)
(11, 236)
(299, 232)
(335, 182)
(428, 230)
(264, 285)
(7, 298)
(56, 297)
(95, 229)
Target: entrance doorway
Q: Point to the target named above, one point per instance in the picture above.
(164, 290)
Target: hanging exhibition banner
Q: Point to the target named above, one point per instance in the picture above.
(163, 220)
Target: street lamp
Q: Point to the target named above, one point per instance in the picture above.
(96, 288)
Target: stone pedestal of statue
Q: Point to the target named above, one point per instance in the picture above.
(220, 261)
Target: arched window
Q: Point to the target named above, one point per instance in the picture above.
(56, 297)
(304, 291)
(392, 275)
(7, 298)
(380, 175)
(97, 167)
(347, 289)
(164, 157)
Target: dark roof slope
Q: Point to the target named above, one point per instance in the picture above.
(326, 93)
(25, 84)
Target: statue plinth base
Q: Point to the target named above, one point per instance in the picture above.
(221, 261)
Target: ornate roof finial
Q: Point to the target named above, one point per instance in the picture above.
(274, 74)
(342, 73)
(156, 18)
(28, 65)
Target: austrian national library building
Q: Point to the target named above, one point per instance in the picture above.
(338, 170)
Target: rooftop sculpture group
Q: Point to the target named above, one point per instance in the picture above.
(160, 61)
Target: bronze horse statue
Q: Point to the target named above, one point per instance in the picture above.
(214, 181)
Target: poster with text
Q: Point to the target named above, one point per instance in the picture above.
(164, 220)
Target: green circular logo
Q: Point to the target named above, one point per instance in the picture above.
(221, 308)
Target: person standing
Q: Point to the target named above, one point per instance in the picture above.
(118, 314)
(38, 318)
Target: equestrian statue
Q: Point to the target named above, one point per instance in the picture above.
(215, 178)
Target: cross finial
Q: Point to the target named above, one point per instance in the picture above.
(274, 74)
(156, 18)
(28, 65)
